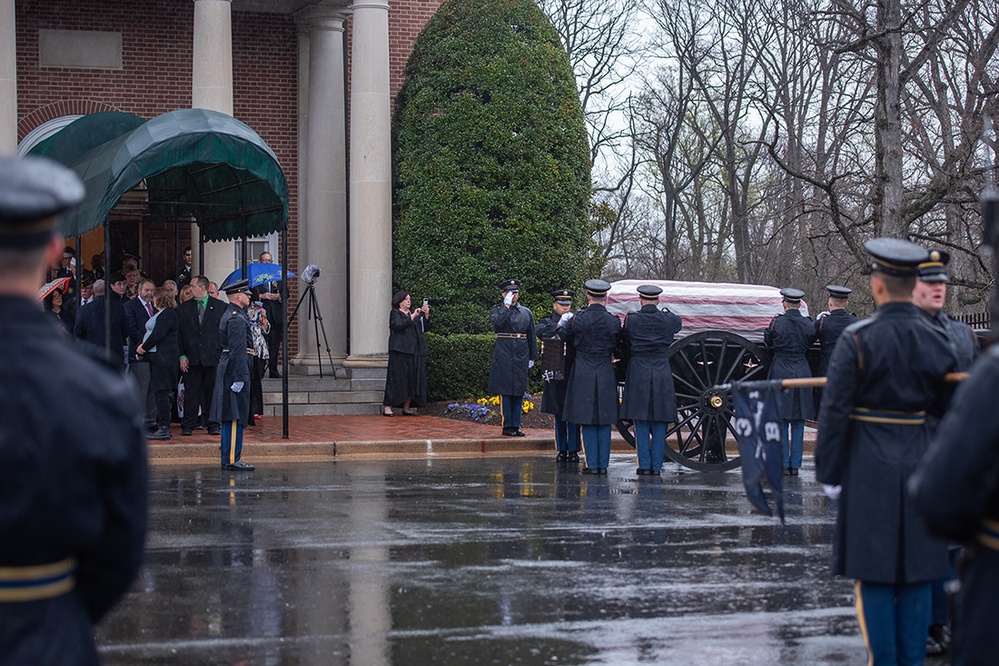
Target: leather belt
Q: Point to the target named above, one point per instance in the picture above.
(511, 336)
(249, 350)
(37, 582)
(888, 416)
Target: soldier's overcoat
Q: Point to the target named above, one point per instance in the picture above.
(648, 388)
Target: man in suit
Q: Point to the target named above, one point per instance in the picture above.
(514, 353)
(200, 350)
(73, 472)
(137, 313)
(90, 325)
(270, 296)
(591, 394)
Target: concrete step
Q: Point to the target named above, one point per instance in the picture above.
(325, 409)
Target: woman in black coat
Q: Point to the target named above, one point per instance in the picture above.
(406, 380)
(162, 344)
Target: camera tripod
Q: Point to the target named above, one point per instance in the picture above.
(317, 316)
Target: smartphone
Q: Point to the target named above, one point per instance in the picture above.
(426, 302)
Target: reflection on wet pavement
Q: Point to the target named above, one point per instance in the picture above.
(480, 560)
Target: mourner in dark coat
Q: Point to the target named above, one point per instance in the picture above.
(162, 348)
(514, 354)
(649, 397)
(231, 402)
(406, 377)
(270, 295)
(956, 490)
(73, 486)
(790, 335)
(885, 376)
(200, 349)
(90, 324)
(591, 394)
(138, 310)
(555, 365)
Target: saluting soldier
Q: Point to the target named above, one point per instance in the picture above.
(886, 373)
(830, 325)
(591, 393)
(231, 400)
(649, 397)
(514, 353)
(551, 331)
(73, 492)
(790, 335)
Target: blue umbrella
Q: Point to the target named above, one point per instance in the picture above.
(257, 274)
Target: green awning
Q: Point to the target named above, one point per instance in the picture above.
(195, 162)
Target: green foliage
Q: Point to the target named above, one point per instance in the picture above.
(492, 166)
(458, 366)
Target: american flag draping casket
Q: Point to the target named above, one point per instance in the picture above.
(744, 309)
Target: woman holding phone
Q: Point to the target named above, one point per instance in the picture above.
(406, 380)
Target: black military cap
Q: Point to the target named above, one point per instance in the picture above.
(597, 287)
(237, 287)
(934, 269)
(649, 291)
(894, 256)
(32, 191)
(510, 285)
(130, 256)
(837, 291)
(792, 295)
(563, 296)
(87, 280)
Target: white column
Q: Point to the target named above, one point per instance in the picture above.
(8, 78)
(370, 186)
(323, 236)
(211, 88)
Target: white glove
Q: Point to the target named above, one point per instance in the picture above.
(236, 387)
(564, 319)
(508, 299)
(832, 492)
(530, 364)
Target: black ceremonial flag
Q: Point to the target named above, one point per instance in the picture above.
(757, 426)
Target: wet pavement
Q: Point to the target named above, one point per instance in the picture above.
(479, 560)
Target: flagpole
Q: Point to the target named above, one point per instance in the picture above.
(817, 382)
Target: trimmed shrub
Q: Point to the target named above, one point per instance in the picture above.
(458, 366)
(492, 172)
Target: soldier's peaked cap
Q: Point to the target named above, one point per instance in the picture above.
(510, 285)
(894, 256)
(837, 291)
(792, 295)
(237, 287)
(32, 191)
(597, 287)
(649, 291)
(563, 296)
(934, 269)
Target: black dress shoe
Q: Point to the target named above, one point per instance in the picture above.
(186, 433)
(405, 413)
(793, 471)
(641, 471)
(590, 470)
(274, 374)
(215, 432)
(239, 466)
(519, 433)
(602, 470)
(388, 413)
(509, 432)
(160, 433)
(655, 472)
(562, 456)
(573, 456)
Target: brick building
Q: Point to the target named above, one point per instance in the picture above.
(295, 71)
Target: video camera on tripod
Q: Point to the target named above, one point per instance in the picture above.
(309, 277)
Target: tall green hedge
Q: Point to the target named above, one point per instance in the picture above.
(458, 367)
(491, 163)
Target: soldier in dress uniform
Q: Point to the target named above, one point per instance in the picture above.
(649, 398)
(930, 295)
(514, 353)
(72, 481)
(886, 374)
(790, 335)
(591, 393)
(956, 491)
(231, 400)
(551, 331)
(829, 325)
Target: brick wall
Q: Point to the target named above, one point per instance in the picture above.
(157, 63)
